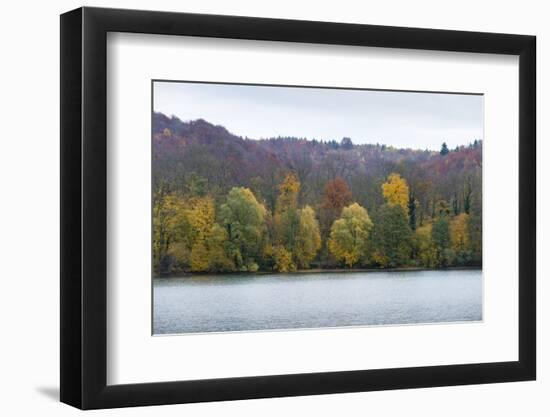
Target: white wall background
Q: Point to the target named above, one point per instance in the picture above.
(29, 225)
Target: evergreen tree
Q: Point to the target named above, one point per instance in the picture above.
(411, 205)
(455, 204)
(391, 236)
(441, 238)
(197, 186)
(346, 144)
(444, 149)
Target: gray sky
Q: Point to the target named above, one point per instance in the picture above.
(401, 119)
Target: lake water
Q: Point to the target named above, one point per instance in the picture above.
(327, 299)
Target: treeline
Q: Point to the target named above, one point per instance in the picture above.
(228, 203)
(194, 231)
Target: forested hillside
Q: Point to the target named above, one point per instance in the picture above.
(227, 203)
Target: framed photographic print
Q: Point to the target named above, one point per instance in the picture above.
(256, 207)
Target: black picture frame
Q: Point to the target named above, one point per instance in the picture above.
(84, 207)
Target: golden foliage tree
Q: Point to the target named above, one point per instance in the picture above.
(168, 213)
(283, 259)
(181, 229)
(288, 193)
(199, 257)
(348, 240)
(459, 232)
(201, 216)
(308, 238)
(396, 191)
(286, 219)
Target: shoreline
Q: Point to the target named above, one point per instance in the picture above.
(316, 271)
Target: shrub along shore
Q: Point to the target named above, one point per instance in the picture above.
(314, 271)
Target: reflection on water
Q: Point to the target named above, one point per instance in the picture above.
(216, 303)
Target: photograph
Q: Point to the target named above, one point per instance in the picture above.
(282, 207)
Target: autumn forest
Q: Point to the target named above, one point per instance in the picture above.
(226, 203)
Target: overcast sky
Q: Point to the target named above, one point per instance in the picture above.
(401, 119)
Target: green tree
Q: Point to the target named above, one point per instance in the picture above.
(218, 254)
(411, 206)
(391, 237)
(349, 235)
(425, 251)
(441, 238)
(444, 149)
(243, 218)
(197, 186)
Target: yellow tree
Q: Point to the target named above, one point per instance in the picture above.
(286, 219)
(201, 216)
(349, 235)
(185, 231)
(459, 232)
(288, 193)
(168, 213)
(199, 257)
(283, 259)
(396, 191)
(308, 238)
